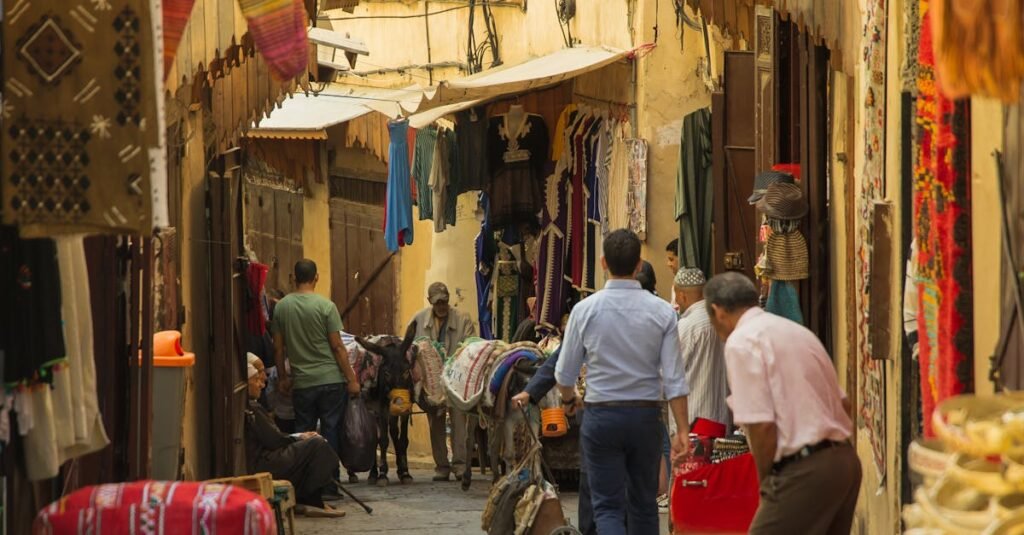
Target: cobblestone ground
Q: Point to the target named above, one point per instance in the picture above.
(424, 507)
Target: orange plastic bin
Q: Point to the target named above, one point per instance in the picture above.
(169, 364)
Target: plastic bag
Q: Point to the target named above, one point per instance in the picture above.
(358, 437)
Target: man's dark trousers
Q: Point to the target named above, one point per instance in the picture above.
(623, 444)
(323, 403)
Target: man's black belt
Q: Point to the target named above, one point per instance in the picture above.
(806, 452)
(636, 404)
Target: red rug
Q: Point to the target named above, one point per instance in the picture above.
(942, 212)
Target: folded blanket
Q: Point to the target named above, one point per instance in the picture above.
(468, 372)
(429, 368)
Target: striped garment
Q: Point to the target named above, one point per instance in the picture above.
(704, 357)
(278, 28)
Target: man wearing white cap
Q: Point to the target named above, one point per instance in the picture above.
(448, 327)
(703, 353)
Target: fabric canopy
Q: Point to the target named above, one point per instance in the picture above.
(535, 73)
(305, 113)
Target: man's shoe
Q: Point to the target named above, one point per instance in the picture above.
(442, 476)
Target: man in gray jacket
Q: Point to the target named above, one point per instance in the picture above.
(448, 327)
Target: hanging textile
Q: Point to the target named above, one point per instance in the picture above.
(255, 313)
(471, 128)
(604, 155)
(175, 15)
(979, 47)
(695, 189)
(84, 120)
(551, 290)
(636, 198)
(784, 301)
(278, 27)
(517, 154)
(455, 179)
(31, 333)
(438, 180)
(942, 201)
(872, 380)
(592, 194)
(578, 167)
(618, 179)
(485, 253)
(422, 162)
(398, 226)
(507, 299)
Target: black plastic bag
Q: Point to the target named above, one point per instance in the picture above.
(358, 437)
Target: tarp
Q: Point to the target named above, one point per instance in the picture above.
(312, 113)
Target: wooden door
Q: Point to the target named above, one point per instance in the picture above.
(274, 231)
(357, 251)
(733, 161)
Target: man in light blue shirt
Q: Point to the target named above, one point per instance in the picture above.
(627, 338)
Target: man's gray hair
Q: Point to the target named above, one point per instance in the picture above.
(731, 291)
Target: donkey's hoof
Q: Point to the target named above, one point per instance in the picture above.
(467, 480)
(382, 481)
(405, 479)
(353, 479)
(371, 480)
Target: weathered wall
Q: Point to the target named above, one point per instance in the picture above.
(316, 232)
(986, 210)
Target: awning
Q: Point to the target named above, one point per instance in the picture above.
(533, 74)
(836, 23)
(311, 112)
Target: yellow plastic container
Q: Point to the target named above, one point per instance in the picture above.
(401, 401)
(553, 422)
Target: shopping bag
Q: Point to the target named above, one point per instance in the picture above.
(358, 437)
(716, 498)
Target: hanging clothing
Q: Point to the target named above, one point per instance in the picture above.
(438, 180)
(422, 164)
(604, 162)
(592, 195)
(255, 313)
(398, 226)
(636, 198)
(552, 291)
(783, 301)
(695, 191)
(31, 333)
(577, 197)
(516, 154)
(471, 129)
(618, 179)
(506, 306)
(485, 253)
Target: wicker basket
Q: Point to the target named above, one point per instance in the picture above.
(982, 426)
(980, 474)
(1007, 506)
(955, 508)
(929, 458)
(1014, 525)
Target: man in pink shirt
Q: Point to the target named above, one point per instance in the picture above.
(787, 399)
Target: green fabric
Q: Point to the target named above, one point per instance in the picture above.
(695, 191)
(454, 179)
(422, 160)
(305, 320)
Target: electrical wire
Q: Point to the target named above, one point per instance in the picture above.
(418, 15)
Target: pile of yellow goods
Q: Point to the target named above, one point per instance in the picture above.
(973, 473)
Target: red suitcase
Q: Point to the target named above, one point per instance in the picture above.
(716, 498)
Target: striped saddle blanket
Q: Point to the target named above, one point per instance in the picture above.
(429, 368)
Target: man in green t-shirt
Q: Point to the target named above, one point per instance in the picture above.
(309, 326)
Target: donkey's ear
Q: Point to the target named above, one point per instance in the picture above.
(410, 334)
(370, 346)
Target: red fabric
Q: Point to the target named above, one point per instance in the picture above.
(725, 505)
(278, 27)
(708, 428)
(791, 168)
(255, 317)
(157, 507)
(175, 14)
(942, 200)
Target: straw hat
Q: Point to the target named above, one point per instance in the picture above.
(765, 179)
(787, 257)
(783, 201)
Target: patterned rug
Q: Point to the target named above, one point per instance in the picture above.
(872, 374)
(942, 200)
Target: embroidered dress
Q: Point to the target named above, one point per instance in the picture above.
(507, 303)
(517, 154)
(398, 218)
(637, 196)
(551, 283)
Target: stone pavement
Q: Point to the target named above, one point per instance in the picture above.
(423, 507)
(419, 508)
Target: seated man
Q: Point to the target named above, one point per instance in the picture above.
(304, 459)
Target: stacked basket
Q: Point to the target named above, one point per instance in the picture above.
(973, 473)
